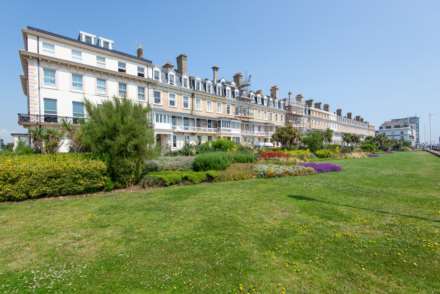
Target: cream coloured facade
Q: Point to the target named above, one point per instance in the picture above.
(59, 72)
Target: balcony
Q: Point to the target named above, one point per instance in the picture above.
(26, 120)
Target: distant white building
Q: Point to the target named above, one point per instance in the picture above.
(402, 129)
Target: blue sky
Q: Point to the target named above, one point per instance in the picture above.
(376, 58)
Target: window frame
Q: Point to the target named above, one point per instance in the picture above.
(174, 100)
(98, 89)
(183, 102)
(154, 97)
(101, 60)
(141, 71)
(75, 56)
(124, 94)
(74, 87)
(122, 66)
(139, 95)
(46, 79)
(50, 50)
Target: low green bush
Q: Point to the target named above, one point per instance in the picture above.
(303, 155)
(324, 153)
(223, 145)
(243, 157)
(33, 176)
(168, 178)
(211, 161)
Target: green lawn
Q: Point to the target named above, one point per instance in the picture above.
(375, 227)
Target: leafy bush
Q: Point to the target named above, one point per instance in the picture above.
(211, 161)
(119, 133)
(243, 157)
(236, 172)
(323, 167)
(273, 154)
(314, 140)
(32, 176)
(368, 146)
(324, 153)
(303, 155)
(22, 148)
(271, 170)
(223, 145)
(168, 178)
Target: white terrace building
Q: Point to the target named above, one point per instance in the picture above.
(59, 72)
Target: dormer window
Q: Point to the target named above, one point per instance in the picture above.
(171, 79)
(156, 74)
(219, 90)
(185, 82)
(106, 44)
(262, 101)
(122, 67)
(88, 40)
(198, 85)
(208, 87)
(141, 71)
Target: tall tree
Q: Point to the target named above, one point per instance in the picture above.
(314, 140)
(328, 136)
(119, 133)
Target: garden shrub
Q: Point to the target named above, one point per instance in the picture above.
(243, 157)
(236, 172)
(223, 145)
(324, 153)
(33, 176)
(22, 148)
(168, 178)
(211, 161)
(323, 167)
(303, 155)
(272, 170)
(368, 147)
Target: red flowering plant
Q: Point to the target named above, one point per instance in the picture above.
(273, 154)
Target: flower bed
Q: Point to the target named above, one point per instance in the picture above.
(272, 170)
(323, 167)
(273, 154)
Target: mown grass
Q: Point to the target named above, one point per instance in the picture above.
(374, 227)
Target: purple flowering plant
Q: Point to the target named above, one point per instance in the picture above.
(321, 167)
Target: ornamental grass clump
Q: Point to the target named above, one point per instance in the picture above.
(323, 167)
(211, 161)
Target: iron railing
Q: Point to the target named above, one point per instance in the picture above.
(27, 119)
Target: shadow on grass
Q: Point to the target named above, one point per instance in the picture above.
(310, 199)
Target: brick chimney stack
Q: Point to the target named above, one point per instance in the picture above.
(215, 69)
(309, 102)
(182, 64)
(274, 92)
(339, 112)
(299, 98)
(237, 79)
(140, 52)
(326, 107)
(318, 105)
(349, 115)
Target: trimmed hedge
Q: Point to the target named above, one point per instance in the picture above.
(33, 176)
(168, 178)
(212, 161)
